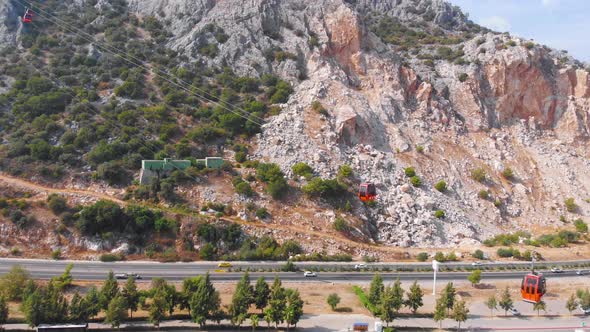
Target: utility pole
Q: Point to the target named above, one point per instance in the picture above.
(435, 265)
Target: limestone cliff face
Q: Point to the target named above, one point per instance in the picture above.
(507, 103)
(9, 22)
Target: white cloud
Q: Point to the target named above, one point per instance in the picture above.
(497, 23)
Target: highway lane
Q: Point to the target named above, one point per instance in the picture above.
(86, 270)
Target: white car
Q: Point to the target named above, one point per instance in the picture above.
(556, 269)
(514, 311)
(585, 311)
(127, 276)
(309, 274)
(581, 272)
(476, 264)
(360, 266)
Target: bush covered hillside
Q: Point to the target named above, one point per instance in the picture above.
(70, 106)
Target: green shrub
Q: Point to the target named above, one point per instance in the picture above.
(410, 172)
(262, 213)
(581, 226)
(243, 188)
(505, 252)
(529, 45)
(419, 149)
(570, 205)
(439, 256)
(345, 172)
(484, 194)
(324, 188)
(441, 186)
(478, 254)
(478, 174)
(319, 108)
(209, 50)
(57, 203)
(340, 224)
(508, 173)
(463, 77)
(111, 257)
(416, 181)
(439, 214)
(241, 156)
(302, 169)
(422, 257)
(56, 254)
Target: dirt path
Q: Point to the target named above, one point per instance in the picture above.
(20, 183)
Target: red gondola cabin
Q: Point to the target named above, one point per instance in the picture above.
(367, 192)
(533, 287)
(28, 16)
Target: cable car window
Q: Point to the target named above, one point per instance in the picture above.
(372, 190)
(363, 191)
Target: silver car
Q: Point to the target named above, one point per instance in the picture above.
(514, 311)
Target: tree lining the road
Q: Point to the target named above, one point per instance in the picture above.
(47, 304)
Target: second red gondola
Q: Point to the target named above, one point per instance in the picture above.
(367, 192)
(28, 16)
(533, 287)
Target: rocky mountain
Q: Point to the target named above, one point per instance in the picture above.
(383, 85)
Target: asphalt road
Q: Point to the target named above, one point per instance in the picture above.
(85, 270)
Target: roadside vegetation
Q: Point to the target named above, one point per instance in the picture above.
(115, 304)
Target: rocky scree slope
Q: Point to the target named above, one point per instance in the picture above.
(408, 83)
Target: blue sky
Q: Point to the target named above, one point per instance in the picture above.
(561, 24)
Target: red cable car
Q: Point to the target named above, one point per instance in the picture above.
(367, 192)
(533, 287)
(28, 16)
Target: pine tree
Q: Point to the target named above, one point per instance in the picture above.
(571, 304)
(261, 294)
(159, 285)
(398, 296)
(109, 290)
(131, 295)
(65, 280)
(157, 309)
(116, 311)
(376, 290)
(277, 303)
(56, 305)
(440, 312)
(204, 303)
(241, 300)
(254, 319)
(415, 295)
(460, 313)
(189, 286)
(34, 308)
(3, 311)
(386, 305)
(475, 277)
(448, 296)
(77, 309)
(540, 306)
(294, 307)
(333, 300)
(92, 300)
(492, 304)
(505, 301)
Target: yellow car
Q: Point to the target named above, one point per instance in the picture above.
(224, 264)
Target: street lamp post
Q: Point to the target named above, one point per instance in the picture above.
(435, 265)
